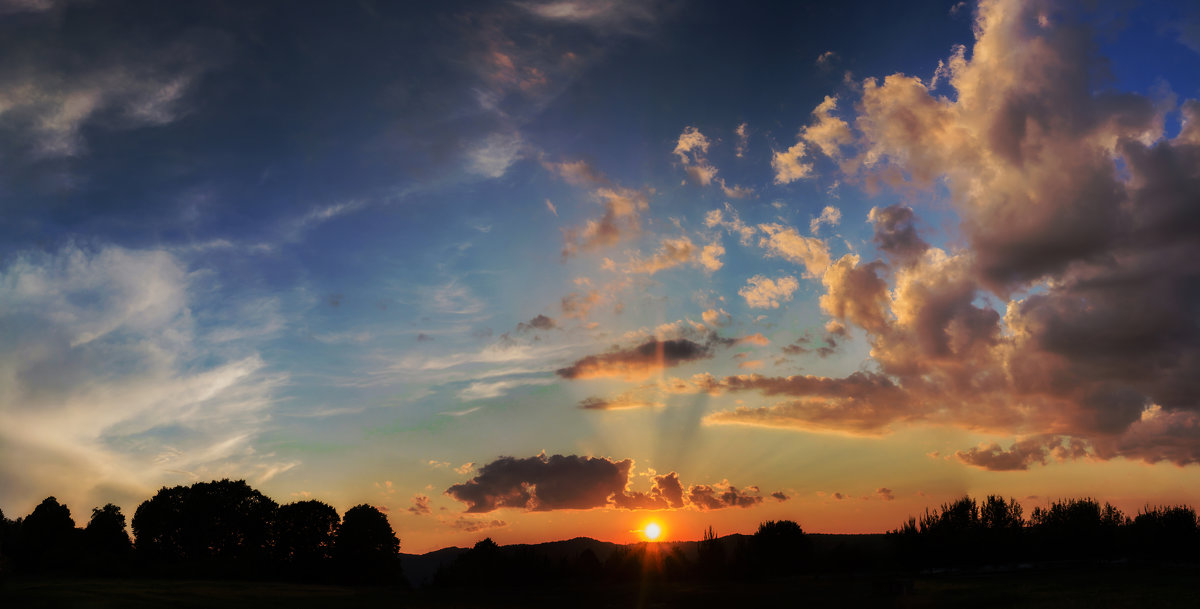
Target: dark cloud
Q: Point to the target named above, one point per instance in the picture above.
(543, 483)
(780, 496)
(885, 494)
(666, 492)
(423, 337)
(541, 322)
(715, 497)
(638, 362)
(1019, 456)
(896, 235)
(560, 482)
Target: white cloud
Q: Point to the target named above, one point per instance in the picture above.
(492, 156)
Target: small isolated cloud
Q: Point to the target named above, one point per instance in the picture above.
(621, 402)
(885, 494)
(743, 139)
(830, 216)
(465, 468)
(787, 243)
(730, 221)
(420, 506)
(710, 257)
(826, 60)
(471, 525)
(492, 156)
(576, 173)
(691, 150)
(780, 496)
(577, 305)
(787, 165)
(621, 220)
(540, 322)
(762, 292)
(550, 206)
(637, 362)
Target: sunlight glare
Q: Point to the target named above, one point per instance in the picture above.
(653, 531)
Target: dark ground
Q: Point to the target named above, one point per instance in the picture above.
(1059, 587)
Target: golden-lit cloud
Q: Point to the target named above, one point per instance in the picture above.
(762, 292)
(788, 166)
(787, 243)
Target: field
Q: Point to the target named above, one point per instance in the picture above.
(1058, 588)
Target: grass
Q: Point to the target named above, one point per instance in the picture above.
(1112, 586)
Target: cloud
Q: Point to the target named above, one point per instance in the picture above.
(719, 496)
(826, 60)
(830, 216)
(780, 496)
(665, 492)
(785, 242)
(540, 322)
(637, 362)
(743, 139)
(716, 318)
(577, 173)
(621, 220)
(787, 165)
(577, 306)
(710, 257)
(828, 132)
(856, 293)
(671, 253)
(896, 235)
(730, 221)
(543, 483)
(483, 390)
(763, 292)
(108, 383)
(885, 494)
(492, 156)
(420, 506)
(472, 525)
(621, 402)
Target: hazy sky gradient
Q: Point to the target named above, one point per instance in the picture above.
(534, 270)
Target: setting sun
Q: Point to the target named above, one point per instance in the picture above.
(653, 531)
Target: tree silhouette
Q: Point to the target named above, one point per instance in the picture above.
(304, 536)
(211, 525)
(105, 540)
(366, 548)
(48, 537)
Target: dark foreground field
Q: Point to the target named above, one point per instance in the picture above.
(1057, 588)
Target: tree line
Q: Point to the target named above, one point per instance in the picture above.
(221, 528)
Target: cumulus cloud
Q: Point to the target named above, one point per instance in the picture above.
(762, 292)
(730, 221)
(691, 150)
(743, 139)
(787, 165)
(1077, 215)
(638, 362)
(716, 318)
(885, 494)
(671, 253)
(787, 243)
(574, 482)
(543, 483)
(895, 233)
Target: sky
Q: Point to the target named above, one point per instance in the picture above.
(543, 269)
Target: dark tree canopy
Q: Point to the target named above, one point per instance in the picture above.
(48, 537)
(105, 533)
(305, 531)
(366, 547)
(219, 520)
(779, 546)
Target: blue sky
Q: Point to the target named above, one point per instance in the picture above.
(830, 263)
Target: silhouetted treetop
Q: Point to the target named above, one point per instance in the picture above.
(305, 531)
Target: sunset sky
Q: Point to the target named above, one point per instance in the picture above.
(537, 270)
